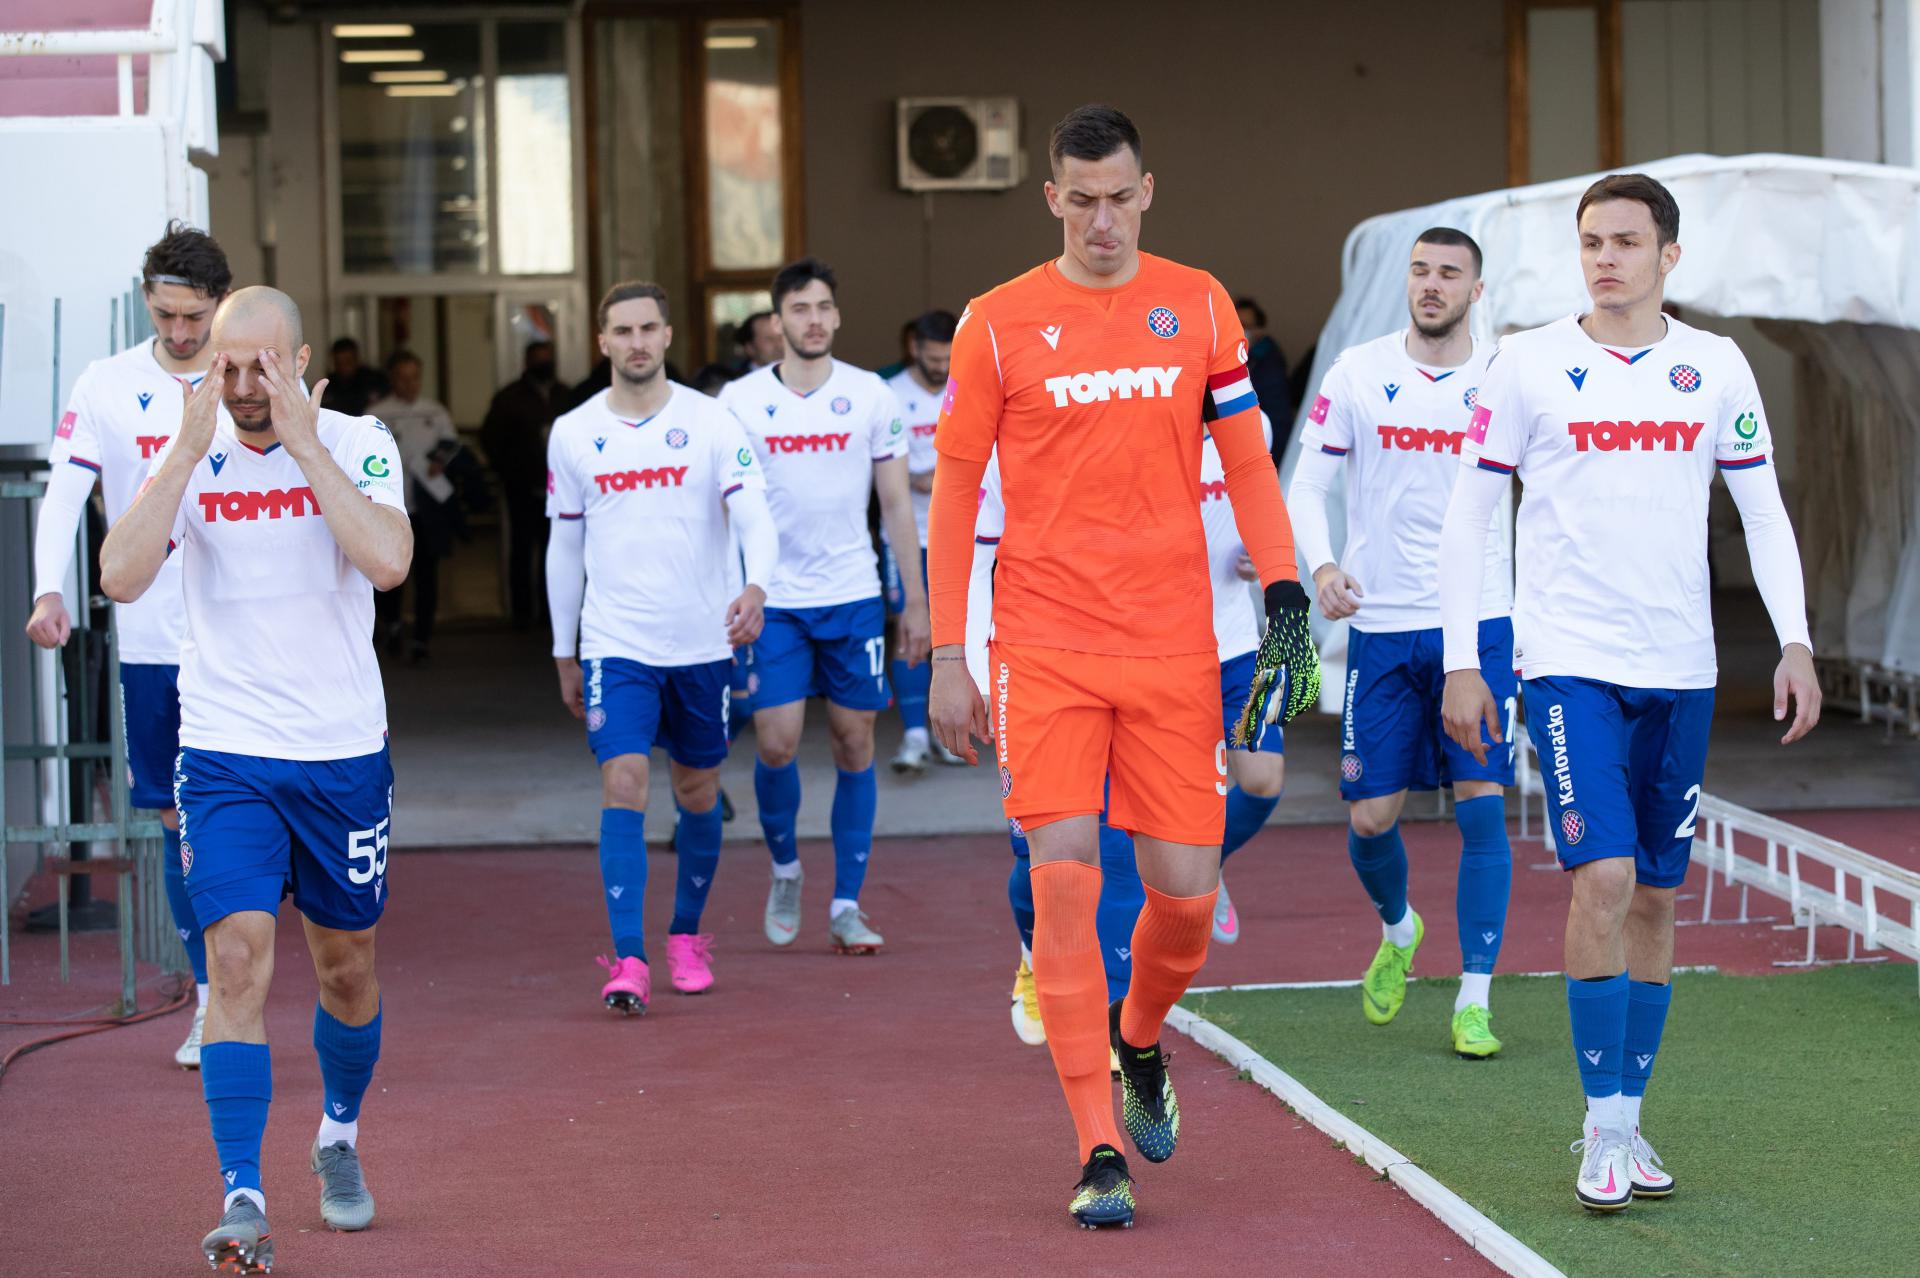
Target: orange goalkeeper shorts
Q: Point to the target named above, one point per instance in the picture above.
(1064, 723)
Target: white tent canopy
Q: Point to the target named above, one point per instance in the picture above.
(1825, 255)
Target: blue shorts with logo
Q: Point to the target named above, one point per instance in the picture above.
(895, 589)
(150, 706)
(1622, 769)
(837, 652)
(253, 830)
(1236, 675)
(1392, 737)
(632, 707)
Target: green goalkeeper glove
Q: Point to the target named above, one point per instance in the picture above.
(1286, 676)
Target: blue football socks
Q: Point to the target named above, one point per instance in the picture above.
(1486, 879)
(698, 845)
(623, 873)
(778, 793)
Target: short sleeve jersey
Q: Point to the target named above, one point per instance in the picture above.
(122, 412)
(1616, 451)
(919, 411)
(278, 657)
(1094, 399)
(1236, 628)
(818, 451)
(1400, 426)
(653, 494)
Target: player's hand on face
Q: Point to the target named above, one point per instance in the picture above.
(916, 634)
(955, 708)
(746, 615)
(572, 686)
(1339, 594)
(49, 625)
(1794, 680)
(296, 411)
(1465, 706)
(1243, 568)
(200, 416)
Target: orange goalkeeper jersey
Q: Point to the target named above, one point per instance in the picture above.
(1094, 399)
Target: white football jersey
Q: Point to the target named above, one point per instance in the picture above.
(653, 494)
(1236, 626)
(122, 412)
(1400, 426)
(1616, 451)
(278, 657)
(818, 452)
(919, 410)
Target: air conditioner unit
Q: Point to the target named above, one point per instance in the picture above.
(958, 144)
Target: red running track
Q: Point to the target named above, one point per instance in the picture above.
(814, 1113)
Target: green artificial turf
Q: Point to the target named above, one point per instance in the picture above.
(1787, 1108)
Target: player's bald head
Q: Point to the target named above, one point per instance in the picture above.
(259, 316)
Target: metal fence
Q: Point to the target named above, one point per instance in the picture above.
(84, 824)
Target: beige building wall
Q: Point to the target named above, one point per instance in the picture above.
(1271, 129)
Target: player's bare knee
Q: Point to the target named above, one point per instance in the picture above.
(697, 790)
(775, 751)
(853, 751)
(623, 782)
(1261, 775)
(1653, 906)
(344, 966)
(1371, 818)
(238, 965)
(1603, 890)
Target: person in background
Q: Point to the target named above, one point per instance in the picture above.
(760, 342)
(424, 431)
(514, 434)
(888, 372)
(351, 385)
(1267, 366)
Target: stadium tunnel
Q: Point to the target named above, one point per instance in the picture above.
(460, 180)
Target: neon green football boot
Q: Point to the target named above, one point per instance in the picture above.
(1384, 988)
(1472, 1036)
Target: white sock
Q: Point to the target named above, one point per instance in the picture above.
(1026, 955)
(917, 736)
(332, 1133)
(1400, 933)
(1474, 987)
(838, 904)
(1630, 1111)
(259, 1199)
(1605, 1112)
(791, 870)
(200, 992)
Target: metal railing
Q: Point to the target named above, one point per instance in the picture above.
(75, 839)
(1872, 691)
(1753, 851)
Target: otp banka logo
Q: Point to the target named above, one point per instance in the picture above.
(1647, 437)
(1122, 383)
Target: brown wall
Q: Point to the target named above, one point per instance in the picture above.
(1271, 129)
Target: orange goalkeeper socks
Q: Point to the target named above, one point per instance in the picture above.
(1169, 945)
(1072, 985)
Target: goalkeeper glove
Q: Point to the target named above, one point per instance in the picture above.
(1286, 676)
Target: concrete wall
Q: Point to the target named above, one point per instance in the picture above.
(1271, 128)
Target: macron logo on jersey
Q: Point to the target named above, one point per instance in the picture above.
(1127, 383)
(1420, 439)
(808, 443)
(242, 506)
(1616, 437)
(1213, 490)
(150, 444)
(625, 481)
